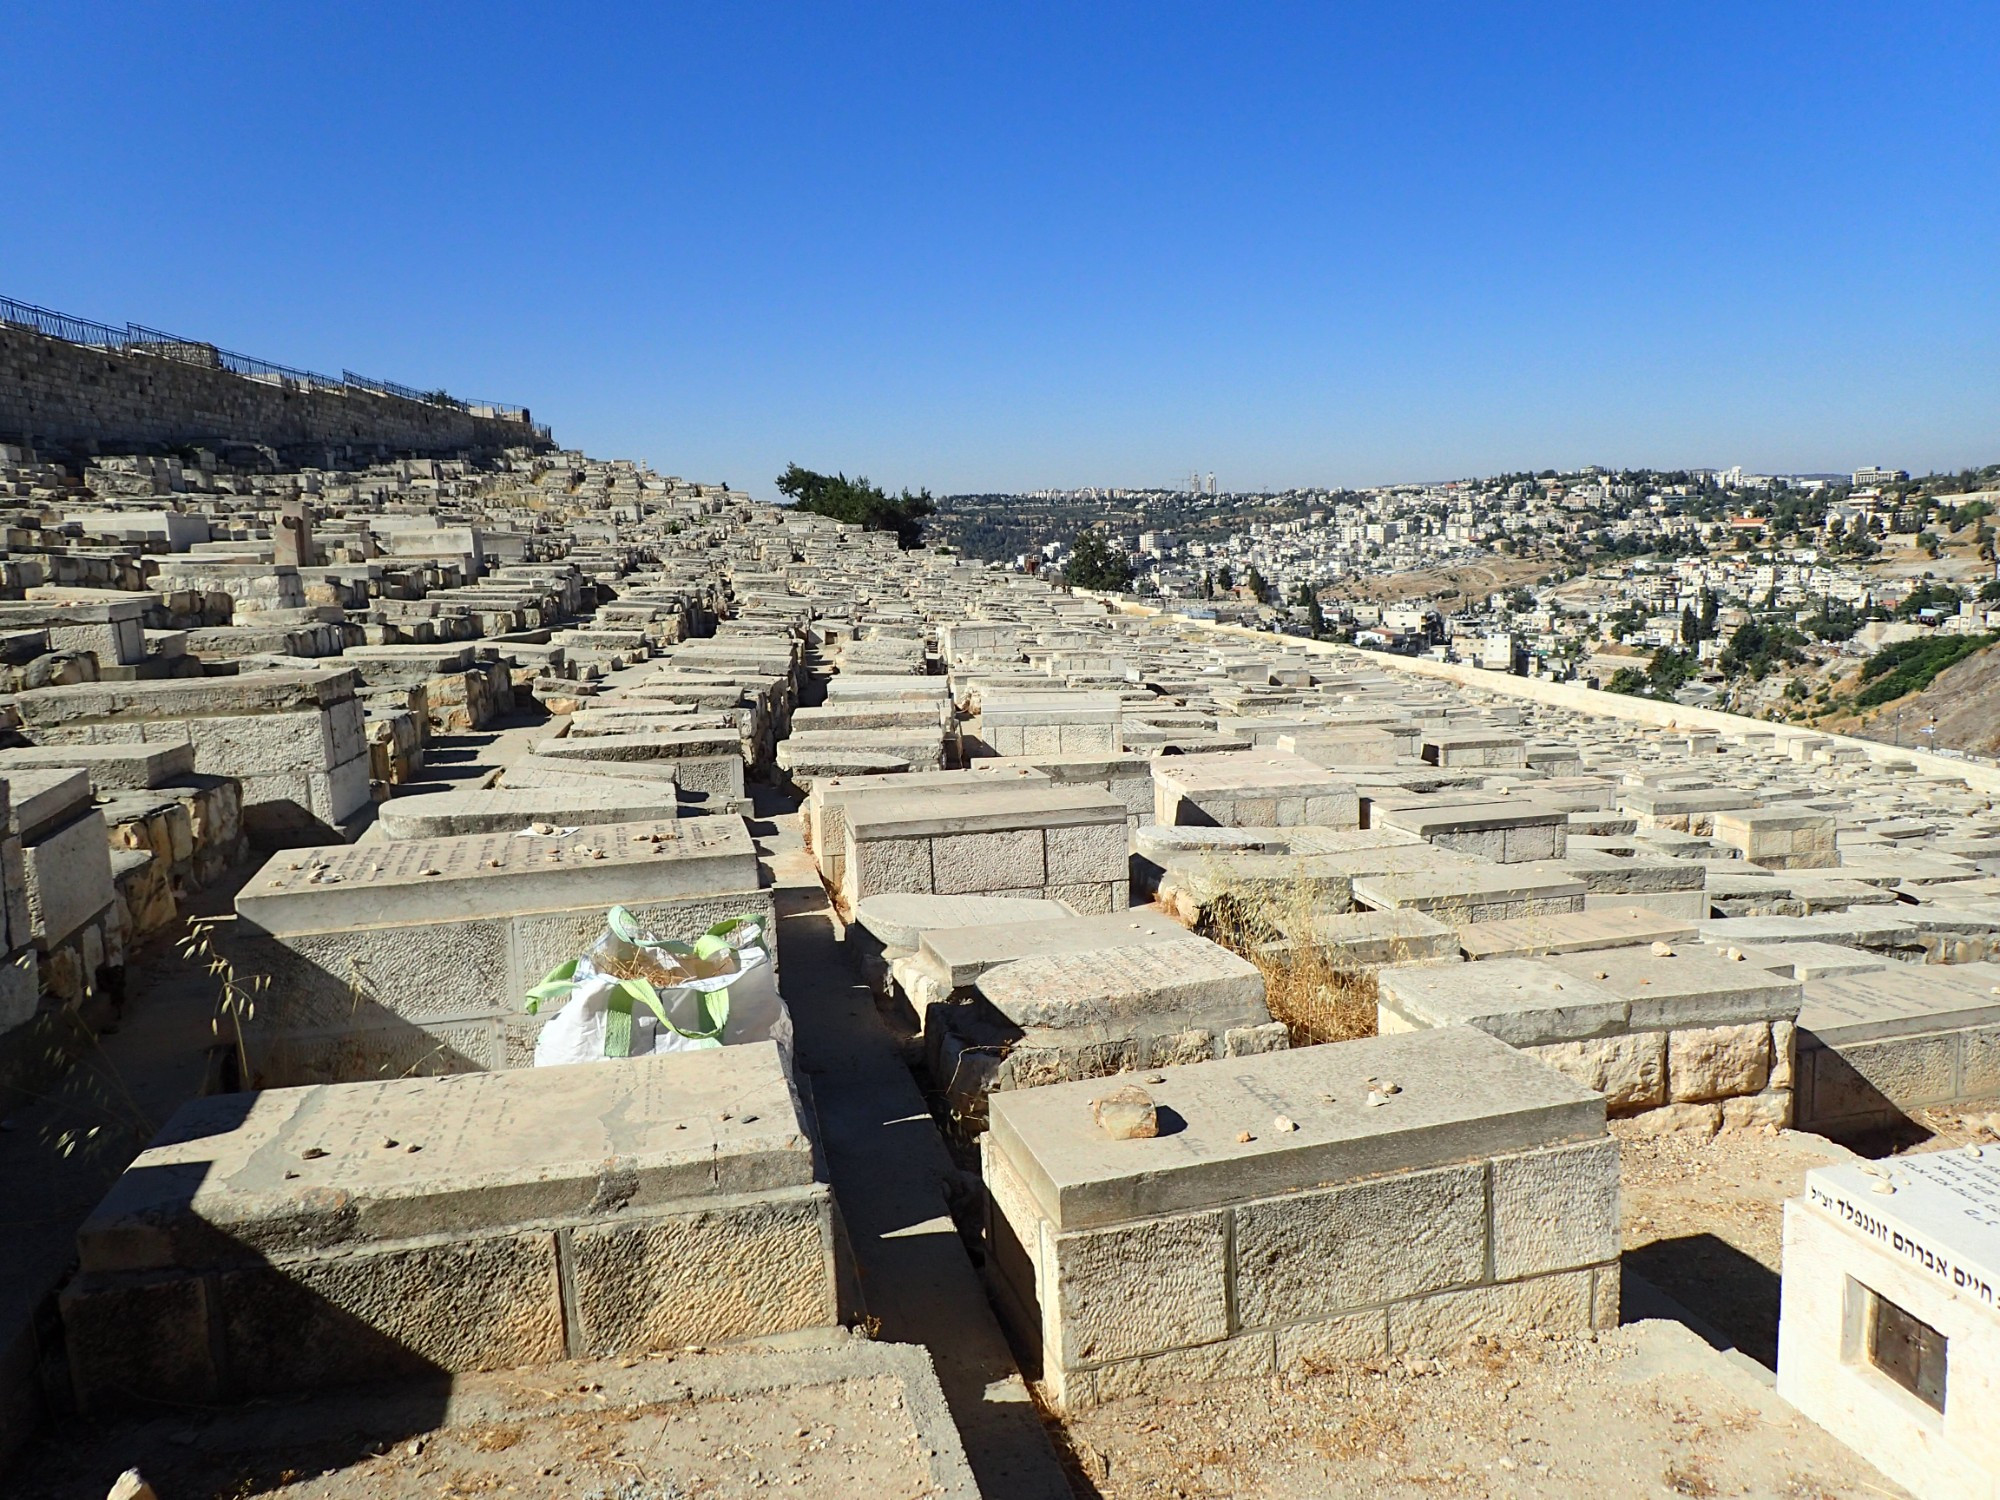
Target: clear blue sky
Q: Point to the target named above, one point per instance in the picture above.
(1000, 246)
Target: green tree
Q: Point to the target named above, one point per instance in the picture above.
(1259, 590)
(1095, 564)
(858, 502)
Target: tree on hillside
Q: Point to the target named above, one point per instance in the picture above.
(1095, 564)
(858, 502)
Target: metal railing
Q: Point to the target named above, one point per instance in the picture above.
(60, 325)
(136, 338)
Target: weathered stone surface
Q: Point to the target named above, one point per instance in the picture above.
(1718, 1062)
(1312, 1255)
(1127, 1114)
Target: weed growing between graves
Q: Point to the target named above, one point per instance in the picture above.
(1318, 993)
(236, 996)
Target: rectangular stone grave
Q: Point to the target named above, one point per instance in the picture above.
(1094, 1012)
(1572, 932)
(1507, 831)
(1063, 843)
(1474, 748)
(824, 816)
(1461, 892)
(1394, 1195)
(1780, 838)
(302, 1238)
(705, 760)
(1015, 723)
(1251, 789)
(414, 955)
(1889, 1324)
(1873, 1047)
(1707, 1041)
(509, 810)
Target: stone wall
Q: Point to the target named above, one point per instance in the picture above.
(56, 394)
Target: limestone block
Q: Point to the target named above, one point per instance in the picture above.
(1560, 1303)
(730, 1270)
(1312, 1255)
(1249, 1041)
(1310, 1347)
(1141, 1288)
(68, 876)
(1718, 1062)
(107, 1363)
(1086, 854)
(1555, 1210)
(19, 990)
(20, 925)
(1784, 1041)
(1630, 1070)
(1240, 1358)
(1979, 1069)
(1176, 1048)
(1672, 1119)
(1004, 860)
(457, 1304)
(1772, 1108)
(879, 865)
(1096, 899)
(1870, 1077)
(1606, 1295)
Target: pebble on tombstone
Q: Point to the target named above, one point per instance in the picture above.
(1127, 1114)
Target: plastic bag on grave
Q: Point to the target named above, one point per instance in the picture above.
(633, 994)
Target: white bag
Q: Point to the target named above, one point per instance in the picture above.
(575, 1033)
(606, 1018)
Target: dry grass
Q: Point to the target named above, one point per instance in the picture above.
(1318, 992)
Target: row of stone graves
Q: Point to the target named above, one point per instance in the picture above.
(1109, 872)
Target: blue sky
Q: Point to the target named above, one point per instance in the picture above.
(988, 247)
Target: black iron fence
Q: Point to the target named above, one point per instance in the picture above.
(136, 338)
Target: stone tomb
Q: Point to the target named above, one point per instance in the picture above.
(1054, 723)
(824, 816)
(1251, 789)
(1780, 838)
(1460, 891)
(1137, 1000)
(296, 740)
(414, 956)
(510, 809)
(705, 760)
(1506, 830)
(1393, 1195)
(1889, 1327)
(304, 1238)
(1062, 843)
(1875, 1046)
(1708, 1040)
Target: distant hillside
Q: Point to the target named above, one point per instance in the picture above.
(1965, 697)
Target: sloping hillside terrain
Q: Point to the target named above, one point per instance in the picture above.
(1964, 699)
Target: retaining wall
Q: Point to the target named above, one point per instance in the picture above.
(56, 395)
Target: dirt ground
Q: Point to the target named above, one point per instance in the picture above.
(574, 1431)
(1645, 1410)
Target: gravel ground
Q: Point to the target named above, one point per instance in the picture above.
(1645, 1410)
